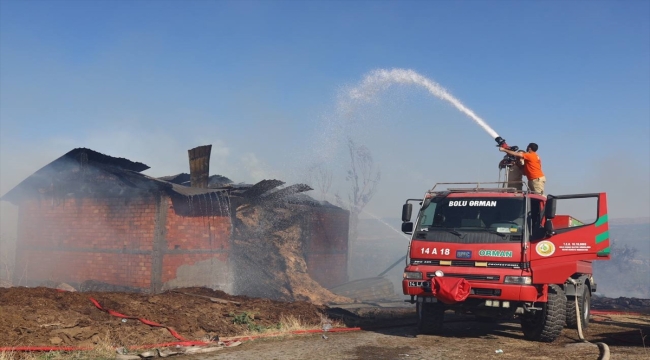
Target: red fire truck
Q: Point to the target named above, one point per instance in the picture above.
(501, 252)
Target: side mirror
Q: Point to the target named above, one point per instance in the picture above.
(548, 228)
(407, 209)
(549, 209)
(407, 227)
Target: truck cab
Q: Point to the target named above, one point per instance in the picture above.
(495, 252)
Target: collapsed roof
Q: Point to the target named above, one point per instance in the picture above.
(84, 172)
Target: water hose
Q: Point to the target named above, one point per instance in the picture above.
(183, 341)
(602, 347)
(144, 321)
(180, 343)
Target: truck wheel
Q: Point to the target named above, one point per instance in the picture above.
(584, 304)
(430, 317)
(546, 325)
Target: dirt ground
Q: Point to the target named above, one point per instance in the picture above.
(465, 339)
(45, 316)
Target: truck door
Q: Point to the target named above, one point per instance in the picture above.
(580, 236)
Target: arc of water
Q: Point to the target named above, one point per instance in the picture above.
(381, 79)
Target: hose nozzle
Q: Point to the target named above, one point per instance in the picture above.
(501, 142)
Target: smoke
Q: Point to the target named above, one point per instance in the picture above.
(414, 138)
(255, 169)
(164, 151)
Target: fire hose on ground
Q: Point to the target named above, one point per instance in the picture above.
(604, 349)
(182, 341)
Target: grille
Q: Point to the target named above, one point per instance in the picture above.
(485, 292)
(472, 263)
(471, 276)
(424, 262)
(467, 238)
(469, 263)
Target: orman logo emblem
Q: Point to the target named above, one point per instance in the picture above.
(545, 248)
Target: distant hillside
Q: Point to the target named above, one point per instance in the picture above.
(630, 221)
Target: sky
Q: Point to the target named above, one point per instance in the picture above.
(264, 83)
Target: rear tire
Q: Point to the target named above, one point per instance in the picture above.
(546, 325)
(430, 318)
(584, 304)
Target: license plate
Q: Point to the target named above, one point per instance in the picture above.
(415, 283)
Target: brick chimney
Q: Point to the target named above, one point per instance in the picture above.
(200, 166)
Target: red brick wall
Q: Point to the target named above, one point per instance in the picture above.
(207, 233)
(327, 246)
(74, 240)
(77, 267)
(204, 237)
(112, 241)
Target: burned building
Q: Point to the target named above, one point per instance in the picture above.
(92, 218)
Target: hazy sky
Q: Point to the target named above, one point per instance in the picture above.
(262, 82)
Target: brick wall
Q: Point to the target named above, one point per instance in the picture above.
(197, 250)
(112, 240)
(327, 246)
(74, 240)
(116, 241)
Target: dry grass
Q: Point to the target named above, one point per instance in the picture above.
(104, 349)
(6, 271)
(56, 355)
(7, 355)
(288, 325)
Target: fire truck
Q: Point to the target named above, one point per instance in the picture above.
(495, 251)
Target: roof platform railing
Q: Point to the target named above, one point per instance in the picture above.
(479, 187)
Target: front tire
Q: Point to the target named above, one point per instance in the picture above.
(546, 325)
(584, 305)
(430, 317)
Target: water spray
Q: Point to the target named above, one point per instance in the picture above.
(381, 79)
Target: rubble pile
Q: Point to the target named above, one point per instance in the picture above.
(269, 260)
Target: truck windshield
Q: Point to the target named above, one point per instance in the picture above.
(501, 218)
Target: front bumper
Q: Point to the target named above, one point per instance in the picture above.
(482, 290)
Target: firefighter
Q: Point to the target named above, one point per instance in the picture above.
(532, 167)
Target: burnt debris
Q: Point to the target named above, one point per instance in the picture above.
(84, 172)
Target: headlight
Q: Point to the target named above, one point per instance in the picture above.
(439, 273)
(412, 275)
(521, 280)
